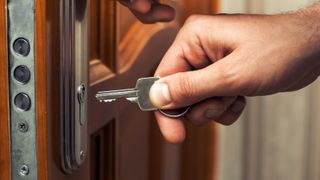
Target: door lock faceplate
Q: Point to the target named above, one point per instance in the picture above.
(22, 94)
(74, 83)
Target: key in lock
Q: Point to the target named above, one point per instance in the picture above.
(140, 95)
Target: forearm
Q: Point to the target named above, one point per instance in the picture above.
(309, 19)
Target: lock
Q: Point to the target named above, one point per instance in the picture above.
(81, 94)
(74, 83)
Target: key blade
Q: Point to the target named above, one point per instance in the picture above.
(143, 86)
(116, 94)
(108, 100)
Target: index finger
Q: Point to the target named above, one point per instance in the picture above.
(172, 62)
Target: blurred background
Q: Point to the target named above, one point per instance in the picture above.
(278, 136)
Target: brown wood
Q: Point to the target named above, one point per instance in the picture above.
(4, 113)
(41, 88)
(102, 36)
(52, 60)
(124, 143)
(198, 153)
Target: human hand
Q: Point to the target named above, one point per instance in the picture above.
(217, 60)
(149, 11)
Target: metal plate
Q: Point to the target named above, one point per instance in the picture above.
(23, 120)
(73, 82)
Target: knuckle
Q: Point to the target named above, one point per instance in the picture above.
(195, 21)
(193, 18)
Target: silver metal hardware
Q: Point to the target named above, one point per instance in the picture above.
(175, 113)
(24, 170)
(23, 126)
(20, 33)
(22, 74)
(139, 94)
(21, 46)
(22, 101)
(82, 155)
(81, 93)
(74, 82)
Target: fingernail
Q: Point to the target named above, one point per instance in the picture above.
(237, 106)
(159, 94)
(213, 113)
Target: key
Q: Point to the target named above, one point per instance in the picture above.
(139, 94)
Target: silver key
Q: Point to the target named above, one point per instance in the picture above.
(139, 94)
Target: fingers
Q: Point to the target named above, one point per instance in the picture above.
(142, 6)
(157, 13)
(209, 109)
(233, 112)
(225, 110)
(173, 130)
(187, 88)
(150, 11)
(222, 110)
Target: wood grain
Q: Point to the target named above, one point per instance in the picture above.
(199, 153)
(102, 36)
(4, 116)
(140, 152)
(41, 92)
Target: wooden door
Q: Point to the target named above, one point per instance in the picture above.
(122, 142)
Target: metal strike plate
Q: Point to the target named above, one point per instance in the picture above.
(74, 82)
(22, 94)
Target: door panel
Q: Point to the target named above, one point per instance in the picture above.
(123, 142)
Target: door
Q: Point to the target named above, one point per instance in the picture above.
(82, 47)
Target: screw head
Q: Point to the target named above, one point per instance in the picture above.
(21, 46)
(23, 126)
(24, 170)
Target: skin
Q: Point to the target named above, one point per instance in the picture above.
(217, 60)
(149, 11)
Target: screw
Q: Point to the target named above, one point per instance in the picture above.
(24, 170)
(81, 92)
(82, 155)
(21, 46)
(23, 126)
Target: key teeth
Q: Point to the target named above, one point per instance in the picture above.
(133, 99)
(108, 100)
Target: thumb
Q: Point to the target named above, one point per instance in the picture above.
(186, 88)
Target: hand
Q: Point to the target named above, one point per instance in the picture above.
(217, 60)
(149, 11)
